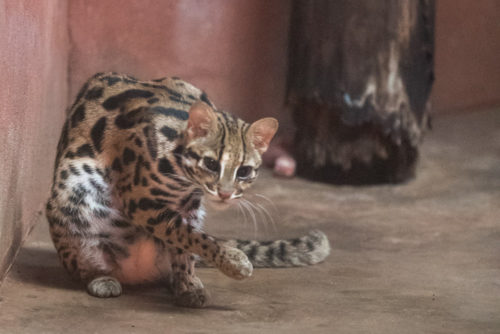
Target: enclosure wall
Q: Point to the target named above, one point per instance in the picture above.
(33, 93)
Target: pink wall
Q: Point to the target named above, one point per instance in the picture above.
(467, 55)
(235, 50)
(33, 95)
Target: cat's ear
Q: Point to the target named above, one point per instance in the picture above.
(201, 120)
(261, 132)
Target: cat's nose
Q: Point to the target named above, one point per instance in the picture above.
(224, 194)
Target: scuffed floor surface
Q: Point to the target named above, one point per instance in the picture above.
(423, 257)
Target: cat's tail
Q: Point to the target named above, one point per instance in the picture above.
(309, 249)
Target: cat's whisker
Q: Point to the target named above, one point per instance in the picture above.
(263, 219)
(268, 215)
(246, 204)
(242, 213)
(267, 199)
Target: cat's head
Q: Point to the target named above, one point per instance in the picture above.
(222, 154)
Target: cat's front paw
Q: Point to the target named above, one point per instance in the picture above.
(235, 264)
(104, 287)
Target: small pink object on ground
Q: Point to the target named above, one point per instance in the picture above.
(284, 166)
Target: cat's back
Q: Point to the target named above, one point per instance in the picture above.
(111, 105)
(107, 93)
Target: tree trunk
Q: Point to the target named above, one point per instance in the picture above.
(360, 74)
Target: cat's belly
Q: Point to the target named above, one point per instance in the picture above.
(144, 263)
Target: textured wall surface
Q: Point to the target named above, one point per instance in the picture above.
(467, 55)
(235, 50)
(33, 94)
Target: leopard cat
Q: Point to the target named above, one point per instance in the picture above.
(135, 165)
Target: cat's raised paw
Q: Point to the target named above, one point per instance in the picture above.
(235, 264)
(104, 287)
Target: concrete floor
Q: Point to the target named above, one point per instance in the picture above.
(423, 257)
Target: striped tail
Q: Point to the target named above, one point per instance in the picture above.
(310, 249)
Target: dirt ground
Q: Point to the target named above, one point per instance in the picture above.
(422, 257)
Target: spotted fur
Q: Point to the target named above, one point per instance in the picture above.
(135, 164)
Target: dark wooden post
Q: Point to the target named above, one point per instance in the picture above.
(360, 74)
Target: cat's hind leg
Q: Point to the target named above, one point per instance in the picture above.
(92, 262)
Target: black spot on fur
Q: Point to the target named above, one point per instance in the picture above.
(85, 151)
(177, 113)
(190, 153)
(111, 80)
(63, 142)
(168, 132)
(74, 170)
(165, 167)
(130, 119)
(151, 141)
(88, 169)
(97, 133)
(132, 207)
(179, 100)
(94, 93)
(119, 100)
(78, 115)
(147, 204)
(282, 252)
(145, 182)
(155, 178)
(153, 100)
(100, 213)
(64, 174)
(270, 254)
(205, 99)
(138, 142)
(252, 253)
(96, 185)
(137, 172)
(123, 122)
(195, 205)
(120, 223)
(128, 156)
(117, 165)
(159, 192)
(69, 211)
(178, 222)
(69, 155)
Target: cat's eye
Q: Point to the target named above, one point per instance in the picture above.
(244, 172)
(211, 164)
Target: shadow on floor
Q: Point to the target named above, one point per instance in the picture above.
(41, 267)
